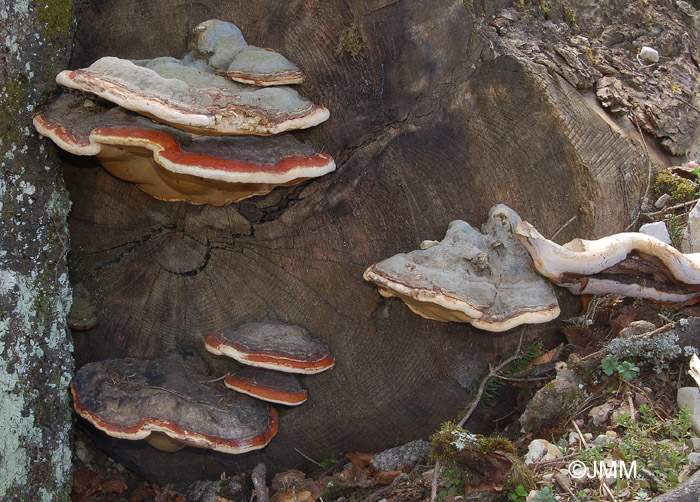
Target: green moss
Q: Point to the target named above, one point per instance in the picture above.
(336, 489)
(520, 474)
(12, 91)
(350, 41)
(680, 189)
(450, 440)
(490, 444)
(55, 15)
(570, 17)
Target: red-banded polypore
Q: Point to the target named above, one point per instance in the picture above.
(188, 95)
(268, 385)
(484, 279)
(269, 348)
(629, 264)
(172, 165)
(134, 398)
(223, 47)
(274, 346)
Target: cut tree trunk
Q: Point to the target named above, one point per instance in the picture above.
(433, 118)
(36, 364)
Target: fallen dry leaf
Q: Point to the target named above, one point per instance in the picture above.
(115, 485)
(546, 357)
(353, 475)
(292, 495)
(361, 460)
(580, 336)
(286, 479)
(386, 477)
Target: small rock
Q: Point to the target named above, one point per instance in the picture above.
(601, 440)
(587, 436)
(540, 450)
(694, 458)
(83, 453)
(553, 400)
(637, 328)
(649, 55)
(600, 414)
(206, 491)
(662, 201)
(689, 397)
(402, 457)
(641, 400)
(611, 434)
(427, 244)
(574, 439)
(283, 480)
(563, 481)
(657, 229)
(691, 237)
(695, 443)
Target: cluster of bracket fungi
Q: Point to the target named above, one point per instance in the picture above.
(197, 129)
(496, 280)
(173, 403)
(208, 128)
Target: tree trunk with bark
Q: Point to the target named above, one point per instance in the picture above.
(437, 113)
(36, 363)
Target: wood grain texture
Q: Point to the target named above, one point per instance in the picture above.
(429, 123)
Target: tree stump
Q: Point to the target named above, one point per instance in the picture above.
(432, 119)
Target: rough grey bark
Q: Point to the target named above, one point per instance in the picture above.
(36, 363)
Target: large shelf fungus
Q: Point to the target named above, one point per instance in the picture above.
(223, 47)
(484, 279)
(274, 346)
(268, 385)
(273, 352)
(629, 264)
(134, 398)
(171, 164)
(191, 98)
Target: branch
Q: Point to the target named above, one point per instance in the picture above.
(258, 477)
(493, 372)
(672, 208)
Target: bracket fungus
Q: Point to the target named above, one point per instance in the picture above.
(171, 164)
(271, 386)
(193, 98)
(134, 398)
(274, 346)
(629, 264)
(484, 279)
(223, 47)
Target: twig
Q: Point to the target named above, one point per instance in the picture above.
(258, 477)
(217, 379)
(607, 489)
(571, 220)
(307, 458)
(633, 414)
(436, 477)
(580, 435)
(523, 379)
(651, 475)
(334, 467)
(672, 208)
(559, 460)
(493, 372)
